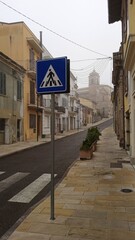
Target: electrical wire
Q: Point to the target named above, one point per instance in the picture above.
(82, 60)
(98, 66)
(48, 29)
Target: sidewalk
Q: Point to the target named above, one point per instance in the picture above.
(89, 203)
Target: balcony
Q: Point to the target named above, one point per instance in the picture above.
(117, 59)
(47, 105)
(31, 69)
(35, 44)
(60, 109)
(33, 103)
(72, 110)
(74, 95)
(117, 67)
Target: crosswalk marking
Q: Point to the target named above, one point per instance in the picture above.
(28, 193)
(4, 184)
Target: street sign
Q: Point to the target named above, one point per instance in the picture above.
(53, 76)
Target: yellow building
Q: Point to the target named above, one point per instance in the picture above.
(124, 73)
(19, 43)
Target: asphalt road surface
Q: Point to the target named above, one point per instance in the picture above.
(25, 177)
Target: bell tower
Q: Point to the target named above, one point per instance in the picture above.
(94, 78)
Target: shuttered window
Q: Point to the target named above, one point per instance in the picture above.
(2, 83)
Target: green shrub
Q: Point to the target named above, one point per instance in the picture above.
(92, 136)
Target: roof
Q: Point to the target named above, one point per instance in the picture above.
(12, 63)
(114, 10)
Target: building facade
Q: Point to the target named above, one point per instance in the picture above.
(124, 11)
(88, 111)
(19, 43)
(11, 100)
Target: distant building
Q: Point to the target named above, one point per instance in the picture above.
(88, 111)
(98, 93)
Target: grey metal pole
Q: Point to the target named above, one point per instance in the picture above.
(53, 153)
(37, 118)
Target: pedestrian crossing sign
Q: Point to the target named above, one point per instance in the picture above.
(53, 76)
(50, 79)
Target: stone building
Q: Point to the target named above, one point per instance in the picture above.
(11, 100)
(98, 93)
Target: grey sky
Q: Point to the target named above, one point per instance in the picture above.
(82, 21)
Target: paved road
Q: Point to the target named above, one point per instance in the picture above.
(25, 176)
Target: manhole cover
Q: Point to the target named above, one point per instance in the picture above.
(126, 190)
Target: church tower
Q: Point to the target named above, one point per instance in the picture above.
(94, 78)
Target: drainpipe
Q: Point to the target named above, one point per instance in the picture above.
(123, 79)
(37, 93)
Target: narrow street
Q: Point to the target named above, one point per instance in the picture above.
(95, 200)
(25, 176)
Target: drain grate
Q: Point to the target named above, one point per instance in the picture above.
(116, 165)
(126, 190)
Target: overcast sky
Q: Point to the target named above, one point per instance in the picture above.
(85, 22)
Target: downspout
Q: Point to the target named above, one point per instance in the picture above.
(37, 93)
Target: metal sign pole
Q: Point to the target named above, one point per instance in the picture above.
(53, 153)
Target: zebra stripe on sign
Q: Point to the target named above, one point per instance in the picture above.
(4, 184)
(28, 193)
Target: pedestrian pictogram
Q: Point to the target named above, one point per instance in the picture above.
(51, 79)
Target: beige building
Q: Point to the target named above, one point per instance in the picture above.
(11, 100)
(88, 111)
(98, 93)
(19, 43)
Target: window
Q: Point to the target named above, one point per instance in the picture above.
(19, 90)
(2, 83)
(2, 124)
(32, 92)
(32, 122)
(32, 61)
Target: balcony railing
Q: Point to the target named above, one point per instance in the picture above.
(117, 59)
(72, 109)
(32, 101)
(47, 103)
(74, 94)
(31, 68)
(117, 67)
(60, 109)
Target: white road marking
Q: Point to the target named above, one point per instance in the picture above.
(4, 184)
(28, 193)
(1, 172)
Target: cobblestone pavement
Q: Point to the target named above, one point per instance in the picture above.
(89, 202)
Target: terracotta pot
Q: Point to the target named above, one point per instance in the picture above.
(86, 154)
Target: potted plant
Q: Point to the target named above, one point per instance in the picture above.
(86, 150)
(94, 133)
(89, 144)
